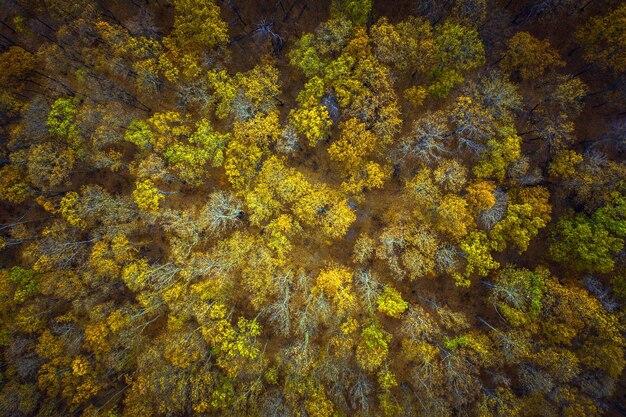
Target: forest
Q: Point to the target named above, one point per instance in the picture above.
(307, 208)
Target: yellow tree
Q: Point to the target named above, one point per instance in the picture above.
(373, 347)
(311, 119)
(453, 217)
(250, 143)
(355, 143)
(530, 56)
(336, 284)
(476, 249)
(147, 195)
(527, 213)
(602, 38)
(198, 28)
(390, 302)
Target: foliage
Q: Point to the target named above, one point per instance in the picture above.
(358, 11)
(527, 213)
(204, 212)
(476, 249)
(602, 38)
(589, 243)
(530, 56)
(147, 196)
(373, 348)
(391, 303)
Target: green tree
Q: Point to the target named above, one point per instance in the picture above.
(357, 11)
(590, 243)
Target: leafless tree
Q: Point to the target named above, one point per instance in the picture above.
(368, 288)
(447, 258)
(602, 293)
(222, 211)
(278, 312)
(360, 393)
(427, 140)
(488, 218)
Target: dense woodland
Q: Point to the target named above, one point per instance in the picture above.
(312, 208)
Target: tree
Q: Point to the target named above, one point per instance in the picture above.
(369, 177)
(311, 119)
(530, 56)
(476, 249)
(518, 294)
(357, 11)
(564, 163)
(257, 91)
(137, 55)
(314, 51)
(589, 243)
(147, 196)
(499, 97)
(373, 347)
(198, 30)
(602, 38)
(480, 195)
(355, 143)
(25, 281)
(427, 140)
(205, 147)
(499, 155)
(13, 187)
(422, 193)
(450, 176)
(408, 45)
(528, 212)
(500, 403)
(471, 12)
(452, 216)
(61, 121)
(49, 165)
(457, 49)
(221, 212)
(16, 66)
(336, 284)
(390, 302)
(197, 25)
(305, 56)
(473, 125)
(250, 143)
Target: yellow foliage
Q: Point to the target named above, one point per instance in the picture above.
(391, 303)
(453, 216)
(480, 195)
(564, 163)
(355, 143)
(147, 195)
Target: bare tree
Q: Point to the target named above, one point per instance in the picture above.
(278, 312)
(602, 293)
(360, 393)
(488, 218)
(223, 211)
(427, 139)
(368, 288)
(447, 258)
